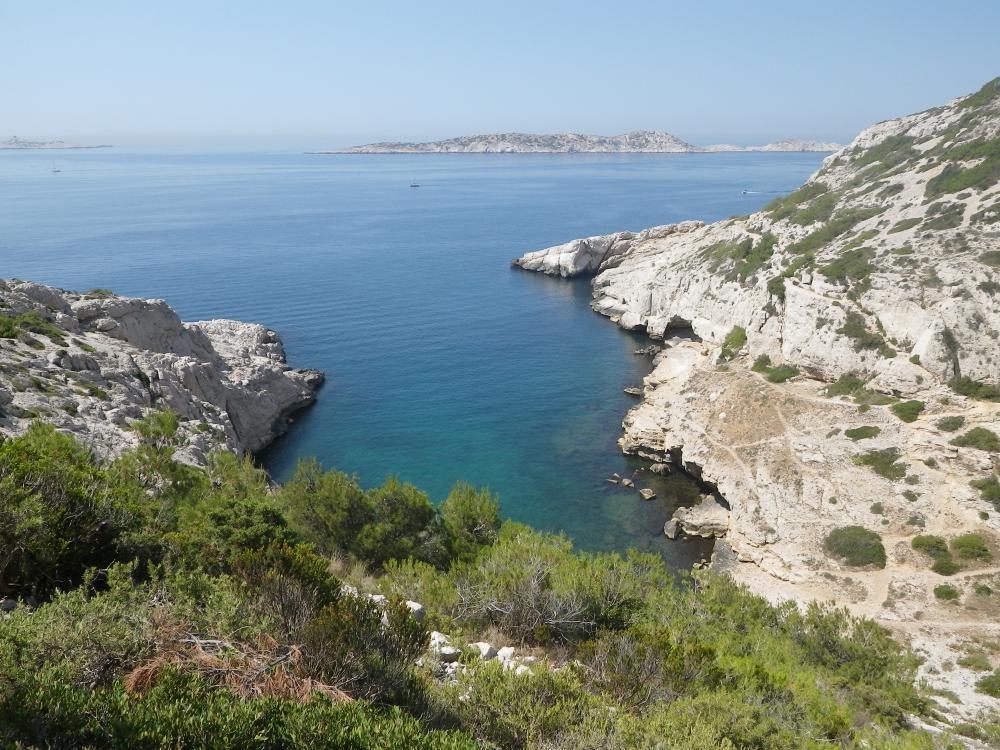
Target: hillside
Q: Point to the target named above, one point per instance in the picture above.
(642, 141)
(843, 375)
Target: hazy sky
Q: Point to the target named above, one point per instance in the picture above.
(746, 72)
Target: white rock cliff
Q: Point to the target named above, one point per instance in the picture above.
(92, 364)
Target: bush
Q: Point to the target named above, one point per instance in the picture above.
(974, 389)
(989, 490)
(946, 592)
(735, 340)
(979, 438)
(60, 513)
(184, 711)
(990, 685)
(471, 520)
(884, 462)
(908, 411)
(950, 424)
(971, 547)
(855, 328)
(862, 433)
(856, 546)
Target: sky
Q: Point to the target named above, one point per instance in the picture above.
(340, 73)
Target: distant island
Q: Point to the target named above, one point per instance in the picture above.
(21, 144)
(638, 142)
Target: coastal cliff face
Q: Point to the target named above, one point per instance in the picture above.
(92, 364)
(843, 373)
(638, 142)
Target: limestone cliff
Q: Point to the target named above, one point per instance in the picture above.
(94, 363)
(844, 371)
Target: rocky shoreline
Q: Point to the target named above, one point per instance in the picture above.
(92, 364)
(839, 373)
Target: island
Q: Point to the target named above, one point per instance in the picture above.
(637, 142)
(22, 144)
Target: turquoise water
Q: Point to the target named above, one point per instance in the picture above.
(443, 363)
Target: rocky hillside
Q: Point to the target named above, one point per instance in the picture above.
(94, 363)
(843, 375)
(642, 141)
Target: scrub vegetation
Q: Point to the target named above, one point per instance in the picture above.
(161, 605)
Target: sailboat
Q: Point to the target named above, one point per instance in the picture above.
(54, 168)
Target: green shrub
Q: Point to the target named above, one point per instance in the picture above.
(852, 266)
(781, 373)
(946, 592)
(904, 224)
(877, 508)
(945, 566)
(974, 389)
(884, 462)
(990, 685)
(989, 490)
(954, 178)
(855, 328)
(979, 438)
(59, 515)
(971, 547)
(862, 433)
(786, 205)
(735, 340)
(908, 411)
(856, 545)
(182, 710)
(839, 224)
(950, 424)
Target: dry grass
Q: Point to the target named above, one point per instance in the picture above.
(258, 670)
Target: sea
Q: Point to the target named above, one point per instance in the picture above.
(443, 363)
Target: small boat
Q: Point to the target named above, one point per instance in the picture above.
(414, 184)
(54, 169)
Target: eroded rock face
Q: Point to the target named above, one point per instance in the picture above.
(93, 364)
(592, 254)
(885, 268)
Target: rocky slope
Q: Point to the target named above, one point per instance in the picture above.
(641, 141)
(94, 363)
(843, 372)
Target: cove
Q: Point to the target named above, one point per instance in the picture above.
(443, 364)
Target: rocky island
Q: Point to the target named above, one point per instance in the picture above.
(839, 381)
(21, 144)
(92, 364)
(638, 142)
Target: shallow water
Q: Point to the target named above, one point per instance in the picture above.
(443, 363)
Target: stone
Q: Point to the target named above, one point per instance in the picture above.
(484, 649)
(660, 468)
(626, 482)
(449, 654)
(646, 494)
(614, 479)
(505, 654)
(670, 528)
(7, 604)
(708, 518)
(633, 390)
(416, 610)
(227, 380)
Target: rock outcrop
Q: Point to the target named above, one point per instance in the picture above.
(638, 142)
(93, 364)
(843, 337)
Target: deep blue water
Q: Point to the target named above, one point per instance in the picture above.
(444, 364)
